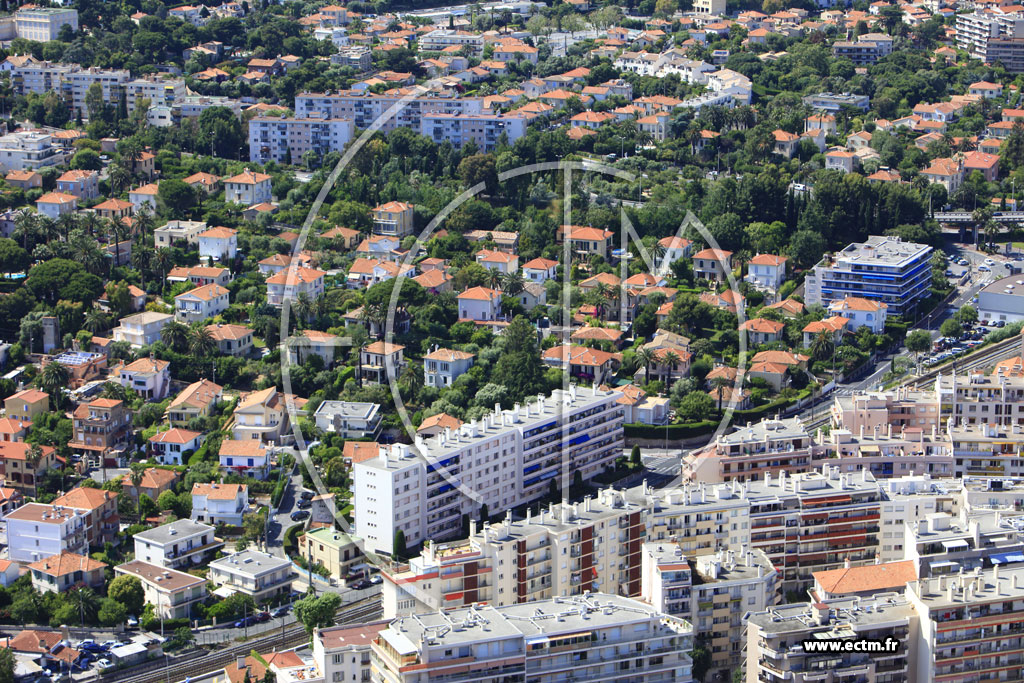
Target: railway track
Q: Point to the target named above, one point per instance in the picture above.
(201, 662)
(970, 361)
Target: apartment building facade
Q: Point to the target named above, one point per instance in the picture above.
(36, 531)
(177, 545)
(102, 431)
(277, 139)
(597, 637)
(712, 592)
(758, 450)
(883, 269)
(565, 550)
(507, 458)
(250, 572)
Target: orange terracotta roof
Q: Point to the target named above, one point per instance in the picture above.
(872, 578)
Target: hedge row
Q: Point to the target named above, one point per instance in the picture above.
(688, 430)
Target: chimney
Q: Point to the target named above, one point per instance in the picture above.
(240, 662)
(846, 563)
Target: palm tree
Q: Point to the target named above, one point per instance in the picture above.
(95, 321)
(26, 223)
(91, 222)
(120, 177)
(66, 223)
(131, 152)
(115, 391)
(34, 455)
(53, 379)
(821, 346)
(360, 337)
(87, 601)
(720, 383)
(494, 278)
(600, 298)
(137, 470)
(412, 377)
(48, 228)
(671, 359)
(163, 259)
(175, 335)
(303, 307)
(142, 257)
(648, 357)
(144, 222)
(201, 343)
(512, 283)
(119, 230)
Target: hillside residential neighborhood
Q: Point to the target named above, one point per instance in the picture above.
(651, 341)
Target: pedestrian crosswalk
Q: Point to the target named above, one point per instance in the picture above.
(662, 463)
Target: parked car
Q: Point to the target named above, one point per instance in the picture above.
(306, 495)
(132, 622)
(104, 665)
(109, 644)
(361, 585)
(304, 504)
(299, 515)
(262, 617)
(247, 621)
(282, 611)
(376, 579)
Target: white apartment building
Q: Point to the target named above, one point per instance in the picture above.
(291, 282)
(597, 637)
(172, 593)
(277, 139)
(201, 303)
(43, 24)
(178, 231)
(75, 86)
(141, 329)
(775, 638)
(218, 244)
(36, 531)
(978, 399)
(350, 419)
(507, 458)
(364, 108)
(438, 39)
(248, 188)
(39, 77)
(441, 367)
(216, 503)
(177, 545)
(161, 92)
(150, 378)
(483, 129)
(29, 151)
(883, 269)
(712, 592)
(968, 624)
(342, 653)
(993, 37)
(564, 550)
(250, 572)
(804, 522)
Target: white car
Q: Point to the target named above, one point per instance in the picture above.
(989, 262)
(104, 665)
(984, 269)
